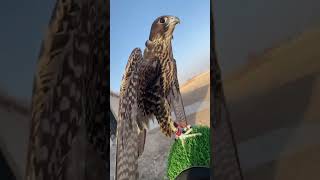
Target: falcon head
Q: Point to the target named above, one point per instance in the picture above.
(162, 28)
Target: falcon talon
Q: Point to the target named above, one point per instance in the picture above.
(182, 131)
(188, 131)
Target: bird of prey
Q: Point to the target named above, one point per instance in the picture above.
(69, 129)
(149, 88)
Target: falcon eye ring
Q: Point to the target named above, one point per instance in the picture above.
(162, 20)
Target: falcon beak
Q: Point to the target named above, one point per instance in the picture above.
(174, 20)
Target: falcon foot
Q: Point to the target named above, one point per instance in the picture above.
(183, 132)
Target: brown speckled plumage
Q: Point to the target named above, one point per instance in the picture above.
(68, 136)
(149, 88)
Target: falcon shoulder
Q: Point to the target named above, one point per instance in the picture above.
(134, 58)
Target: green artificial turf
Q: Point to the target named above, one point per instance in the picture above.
(195, 152)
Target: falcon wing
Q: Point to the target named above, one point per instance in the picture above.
(50, 122)
(175, 99)
(69, 97)
(130, 140)
(134, 59)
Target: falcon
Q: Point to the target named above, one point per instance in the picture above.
(149, 88)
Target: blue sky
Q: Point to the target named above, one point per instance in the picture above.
(130, 23)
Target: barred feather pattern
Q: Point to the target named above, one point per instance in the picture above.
(133, 116)
(68, 94)
(145, 92)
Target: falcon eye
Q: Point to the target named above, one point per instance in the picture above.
(162, 20)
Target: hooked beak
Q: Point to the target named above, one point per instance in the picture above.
(174, 20)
